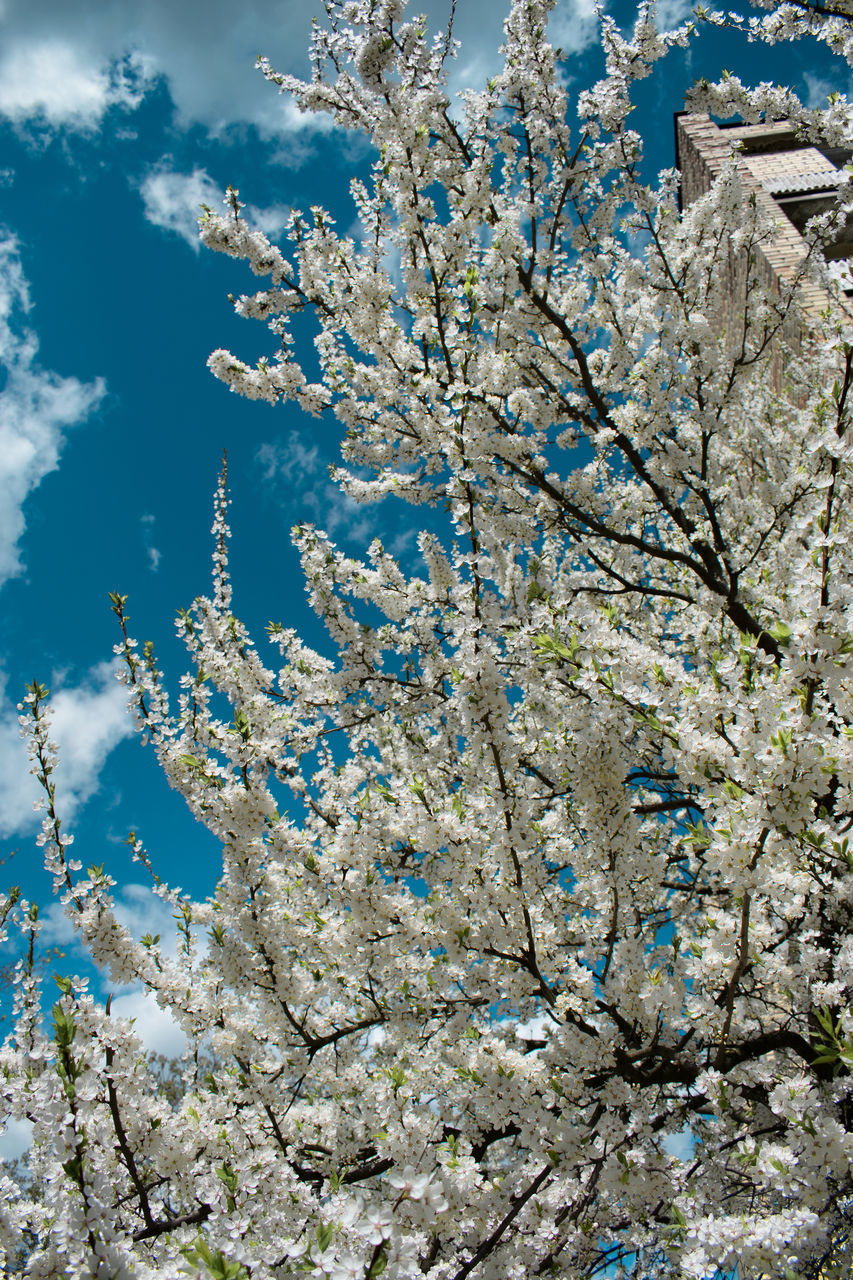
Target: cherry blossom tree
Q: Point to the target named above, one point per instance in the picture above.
(531, 948)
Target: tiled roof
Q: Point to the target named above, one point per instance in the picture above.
(793, 183)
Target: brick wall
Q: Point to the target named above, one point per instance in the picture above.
(768, 152)
(770, 157)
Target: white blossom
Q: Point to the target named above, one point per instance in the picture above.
(543, 861)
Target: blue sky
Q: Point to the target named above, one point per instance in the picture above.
(117, 119)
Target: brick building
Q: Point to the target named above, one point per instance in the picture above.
(790, 182)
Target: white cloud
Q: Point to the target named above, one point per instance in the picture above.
(155, 1027)
(135, 906)
(574, 25)
(681, 1145)
(36, 409)
(271, 220)
(67, 64)
(15, 1139)
(819, 90)
(671, 13)
(58, 83)
(139, 909)
(173, 201)
(538, 1027)
(89, 720)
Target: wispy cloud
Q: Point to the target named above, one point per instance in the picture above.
(290, 459)
(89, 720)
(681, 1145)
(819, 89)
(173, 200)
(154, 554)
(298, 475)
(36, 409)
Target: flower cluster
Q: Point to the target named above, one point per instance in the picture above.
(531, 948)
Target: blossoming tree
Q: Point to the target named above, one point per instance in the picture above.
(530, 953)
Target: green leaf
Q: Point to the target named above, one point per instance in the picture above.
(64, 1027)
(554, 648)
(218, 1267)
(379, 1263)
(74, 1169)
(781, 632)
(227, 1177)
(323, 1234)
(192, 762)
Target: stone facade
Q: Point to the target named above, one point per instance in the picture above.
(790, 182)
